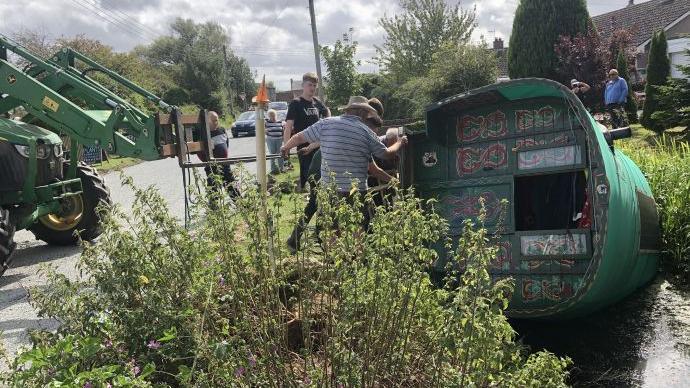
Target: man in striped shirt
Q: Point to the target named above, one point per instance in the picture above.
(347, 146)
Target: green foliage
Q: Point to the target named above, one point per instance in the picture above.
(537, 27)
(675, 99)
(426, 56)
(658, 71)
(630, 105)
(414, 35)
(76, 361)
(667, 168)
(453, 70)
(194, 55)
(341, 79)
(456, 70)
(225, 305)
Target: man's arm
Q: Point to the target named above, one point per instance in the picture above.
(293, 142)
(391, 151)
(310, 135)
(377, 172)
(287, 132)
(624, 91)
(309, 149)
(290, 117)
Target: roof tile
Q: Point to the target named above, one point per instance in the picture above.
(648, 17)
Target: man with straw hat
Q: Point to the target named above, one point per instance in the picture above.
(347, 146)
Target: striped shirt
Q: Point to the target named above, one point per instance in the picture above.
(347, 145)
(274, 129)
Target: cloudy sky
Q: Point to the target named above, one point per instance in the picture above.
(274, 36)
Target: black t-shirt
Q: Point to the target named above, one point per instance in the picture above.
(305, 113)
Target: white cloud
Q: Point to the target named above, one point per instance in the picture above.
(274, 35)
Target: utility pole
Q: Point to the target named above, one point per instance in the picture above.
(317, 54)
(228, 79)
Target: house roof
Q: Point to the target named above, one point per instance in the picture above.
(648, 17)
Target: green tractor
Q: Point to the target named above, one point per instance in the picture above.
(44, 187)
(34, 193)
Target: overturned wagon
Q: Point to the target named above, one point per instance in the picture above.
(580, 229)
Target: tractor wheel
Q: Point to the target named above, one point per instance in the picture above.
(7, 243)
(78, 213)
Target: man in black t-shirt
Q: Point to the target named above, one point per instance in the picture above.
(302, 113)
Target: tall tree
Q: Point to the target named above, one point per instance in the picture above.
(630, 105)
(658, 71)
(537, 27)
(341, 72)
(194, 55)
(419, 31)
(675, 98)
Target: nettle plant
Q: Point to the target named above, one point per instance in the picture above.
(226, 304)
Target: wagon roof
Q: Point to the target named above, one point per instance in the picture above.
(506, 91)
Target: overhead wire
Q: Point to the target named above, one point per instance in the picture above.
(127, 21)
(131, 19)
(114, 22)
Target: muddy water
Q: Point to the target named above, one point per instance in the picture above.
(641, 341)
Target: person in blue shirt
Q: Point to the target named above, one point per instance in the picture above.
(615, 97)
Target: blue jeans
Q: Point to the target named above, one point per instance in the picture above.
(274, 144)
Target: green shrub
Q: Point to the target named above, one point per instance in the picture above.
(667, 168)
(224, 304)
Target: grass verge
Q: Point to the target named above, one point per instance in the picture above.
(116, 163)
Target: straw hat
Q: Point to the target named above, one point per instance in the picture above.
(359, 102)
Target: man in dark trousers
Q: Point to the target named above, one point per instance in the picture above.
(615, 97)
(219, 139)
(302, 113)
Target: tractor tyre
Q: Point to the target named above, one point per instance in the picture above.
(78, 214)
(7, 243)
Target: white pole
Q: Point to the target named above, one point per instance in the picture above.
(261, 104)
(261, 147)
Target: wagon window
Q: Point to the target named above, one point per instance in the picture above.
(549, 201)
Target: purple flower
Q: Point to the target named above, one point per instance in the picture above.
(252, 360)
(88, 384)
(221, 280)
(307, 380)
(153, 345)
(135, 367)
(239, 372)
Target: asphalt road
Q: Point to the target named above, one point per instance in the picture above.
(17, 316)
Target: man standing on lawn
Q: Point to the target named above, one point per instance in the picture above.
(615, 97)
(347, 146)
(302, 113)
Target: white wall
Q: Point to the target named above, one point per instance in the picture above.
(676, 53)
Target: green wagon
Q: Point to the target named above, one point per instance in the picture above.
(574, 218)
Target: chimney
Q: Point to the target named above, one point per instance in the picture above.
(631, 2)
(498, 44)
